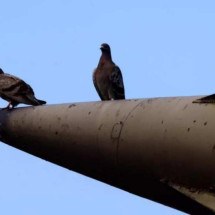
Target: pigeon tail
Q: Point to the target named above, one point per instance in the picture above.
(33, 101)
(41, 102)
(37, 102)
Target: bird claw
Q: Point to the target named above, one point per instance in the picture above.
(8, 107)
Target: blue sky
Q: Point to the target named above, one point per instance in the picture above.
(164, 48)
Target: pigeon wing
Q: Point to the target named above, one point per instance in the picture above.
(117, 85)
(14, 85)
(8, 82)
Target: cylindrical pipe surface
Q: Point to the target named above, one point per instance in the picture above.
(122, 142)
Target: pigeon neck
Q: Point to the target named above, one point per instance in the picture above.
(104, 58)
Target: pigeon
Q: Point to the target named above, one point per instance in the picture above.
(16, 91)
(107, 77)
(207, 99)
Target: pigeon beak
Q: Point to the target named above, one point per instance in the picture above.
(102, 47)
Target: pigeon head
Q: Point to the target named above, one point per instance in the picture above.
(105, 48)
(1, 71)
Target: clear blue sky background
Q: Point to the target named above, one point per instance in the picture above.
(164, 48)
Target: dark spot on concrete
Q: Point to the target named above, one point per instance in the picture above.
(213, 148)
(205, 123)
(188, 129)
(89, 112)
(59, 118)
(194, 121)
(56, 133)
(72, 105)
(142, 105)
(100, 127)
(165, 130)
(162, 122)
(185, 106)
(117, 113)
(149, 101)
(116, 130)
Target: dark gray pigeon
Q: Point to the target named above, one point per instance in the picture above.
(16, 91)
(107, 77)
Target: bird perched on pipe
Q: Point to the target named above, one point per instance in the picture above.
(16, 91)
(107, 77)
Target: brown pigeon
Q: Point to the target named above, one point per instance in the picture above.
(107, 77)
(16, 91)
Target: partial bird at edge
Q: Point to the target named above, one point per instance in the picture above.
(16, 91)
(206, 100)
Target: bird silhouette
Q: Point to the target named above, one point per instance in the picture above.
(16, 91)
